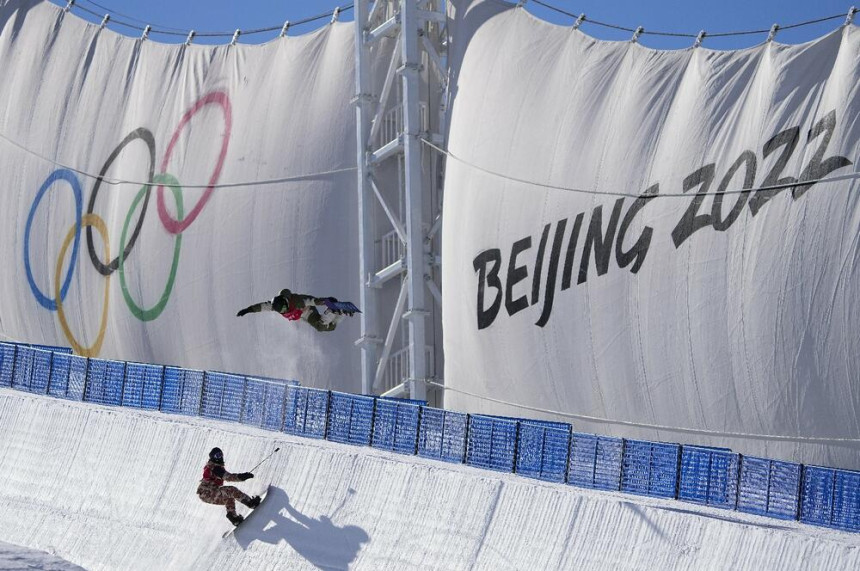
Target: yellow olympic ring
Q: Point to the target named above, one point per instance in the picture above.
(96, 222)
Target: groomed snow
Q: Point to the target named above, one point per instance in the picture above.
(111, 488)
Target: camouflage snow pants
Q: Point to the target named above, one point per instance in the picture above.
(222, 496)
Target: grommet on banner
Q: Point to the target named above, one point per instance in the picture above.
(335, 15)
(190, 37)
(773, 30)
(145, 33)
(235, 37)
(104, 22)
(285, 28)
(636, 34)
(850, 17)
(69, 6)
(699, 39)
(579, 21)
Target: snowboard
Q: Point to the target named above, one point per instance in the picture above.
(341, 306)
(248, 516)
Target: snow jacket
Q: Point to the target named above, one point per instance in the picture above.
(214, 475)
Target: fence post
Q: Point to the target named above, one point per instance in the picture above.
(466, 438)
(86, 381)
(567, 453)
(769, 478)
(832, 499)
(373, 423)
(621, 464)
(327, 415)
(122, 387)
(284, 408)
(161, 388)
(800, 482)
(738, 481)
(50, 373)
(517, 446)
(202, 391)
(678, 472)
(14, 366)
(244, 394)
(418, 430)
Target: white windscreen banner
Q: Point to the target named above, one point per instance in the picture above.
(650, 289)
(158, 273)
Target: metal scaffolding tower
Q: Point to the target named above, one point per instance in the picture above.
(401, 75)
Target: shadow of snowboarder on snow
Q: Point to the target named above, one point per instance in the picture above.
(320, 541)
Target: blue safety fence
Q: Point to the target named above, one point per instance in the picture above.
(442, 434)
(549, 451)
(709, 476)
(542, 449)
(769, 487)
(395, 425)
(595, 461)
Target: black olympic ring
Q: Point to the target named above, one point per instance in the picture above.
(147, 137)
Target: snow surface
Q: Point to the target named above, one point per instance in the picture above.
(114, 488)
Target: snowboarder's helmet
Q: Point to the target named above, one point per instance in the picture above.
(285, 293)
(216, 455)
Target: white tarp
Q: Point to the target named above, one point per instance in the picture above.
(138, 110)
(712, 311)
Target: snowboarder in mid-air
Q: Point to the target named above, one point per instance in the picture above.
(213, 491)
(295, 306)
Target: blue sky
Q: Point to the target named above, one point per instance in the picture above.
(665, 16)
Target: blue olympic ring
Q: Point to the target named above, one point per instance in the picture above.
(69, 177)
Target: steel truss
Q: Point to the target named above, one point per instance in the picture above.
(401, 75)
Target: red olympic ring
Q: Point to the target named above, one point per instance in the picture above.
(171, 224)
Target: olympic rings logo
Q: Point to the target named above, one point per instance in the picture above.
(89, 220)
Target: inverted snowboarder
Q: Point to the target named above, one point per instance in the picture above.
(295, 306)
(213, 491)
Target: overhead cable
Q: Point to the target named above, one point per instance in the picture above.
(850, 176)
(114, 182)
(602, 420)
(680, 34)
(184, 33)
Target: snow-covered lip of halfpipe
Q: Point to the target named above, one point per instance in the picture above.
(112, 488)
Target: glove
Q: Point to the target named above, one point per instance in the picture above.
(243, 312)
(244, 476)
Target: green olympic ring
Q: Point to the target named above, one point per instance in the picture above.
(155, 311)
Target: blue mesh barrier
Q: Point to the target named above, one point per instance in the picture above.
(23, 368)
(222, 396)
(306, 411)
(350, 418)
(105, 381)
(7, 363)
(41, 376)
(542, 450)
(442, 434)
(768, 487)
(846, 500)
(183, 389)
(395, 426)
(51, 348)
(709, 476)
(143, 384)
(595, 461)
(264, 403)
(58, 382)
(491, 443)
(650, 468)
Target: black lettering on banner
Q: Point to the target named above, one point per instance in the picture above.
(721, 224)
(571, 250)
(819, 167)
(491, 278)
(549, 296)
(788, 140)
(539, 265)
(692, 222)
(516, 275)
(639, 250)
(600, 243)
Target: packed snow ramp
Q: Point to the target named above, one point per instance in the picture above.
(109, 488)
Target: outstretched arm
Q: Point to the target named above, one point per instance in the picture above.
(256, 308)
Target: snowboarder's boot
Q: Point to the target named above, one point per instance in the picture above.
(252, 502)
(235, 518)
